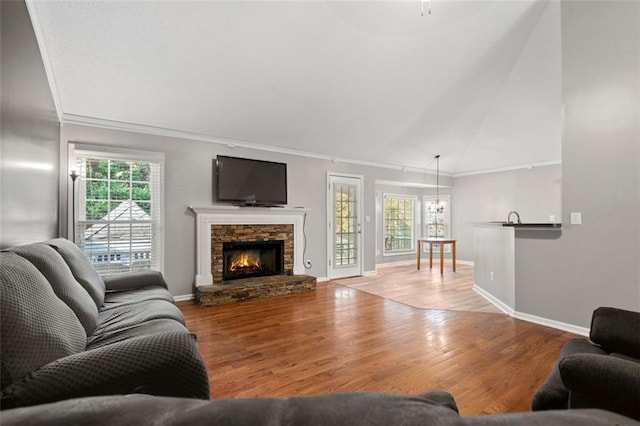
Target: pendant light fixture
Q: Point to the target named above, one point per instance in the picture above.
(439, 206)
(422, 7)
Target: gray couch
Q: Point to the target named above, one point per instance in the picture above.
(360, 408)
(601, 373)
(67, 332)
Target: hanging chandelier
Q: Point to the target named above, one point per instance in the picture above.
(439, 209)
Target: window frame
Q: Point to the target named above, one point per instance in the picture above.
(414, 223)
(78, 190)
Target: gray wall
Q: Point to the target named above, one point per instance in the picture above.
(29, 144)
(534, 193)
(188, 181)
(596, 263)
(562, 278)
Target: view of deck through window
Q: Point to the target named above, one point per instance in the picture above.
(118, 212)
(399, 219)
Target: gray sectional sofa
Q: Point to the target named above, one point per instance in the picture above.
(67, 332)
(602, 372)
(348, 409)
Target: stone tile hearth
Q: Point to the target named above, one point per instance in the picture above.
(254, 288)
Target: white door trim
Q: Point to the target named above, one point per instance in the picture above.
(357, 271)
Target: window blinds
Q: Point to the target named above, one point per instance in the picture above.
(118, 208)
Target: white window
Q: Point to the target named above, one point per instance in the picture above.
(399, 223)
(437, 220)
(118, 208)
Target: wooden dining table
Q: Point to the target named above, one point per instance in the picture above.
(441, 242)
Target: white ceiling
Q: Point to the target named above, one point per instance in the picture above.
(477, 82)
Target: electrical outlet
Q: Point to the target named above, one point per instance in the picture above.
(491, 275)
(552, 218)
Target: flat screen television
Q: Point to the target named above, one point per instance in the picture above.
(247, 182)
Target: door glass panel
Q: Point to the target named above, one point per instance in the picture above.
(346, 224)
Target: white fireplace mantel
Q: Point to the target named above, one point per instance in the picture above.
(234, 215)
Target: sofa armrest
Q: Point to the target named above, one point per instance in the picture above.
(602, 381)
(133, 280)
(616, 330)
(166, 364)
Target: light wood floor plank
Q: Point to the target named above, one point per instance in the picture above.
(425, 288)
(339, 339)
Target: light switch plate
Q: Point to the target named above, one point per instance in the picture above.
(576, 218)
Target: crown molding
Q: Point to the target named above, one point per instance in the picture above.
(509, 168)
(232, 143)
(37, 29)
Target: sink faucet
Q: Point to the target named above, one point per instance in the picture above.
(509, 216)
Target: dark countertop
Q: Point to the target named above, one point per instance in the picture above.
(524, 225)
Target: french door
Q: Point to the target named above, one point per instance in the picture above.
(344, 240)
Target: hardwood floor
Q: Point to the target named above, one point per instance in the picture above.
(339, 339)
(425, 288)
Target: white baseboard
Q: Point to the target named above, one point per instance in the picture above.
(530, 318)
(396, 263)
(413, 262)
(494, 300)
(552, 323)
(184, 297)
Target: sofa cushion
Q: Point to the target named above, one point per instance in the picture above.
(552, 394)
(36, 326)
(602, 381)
(166, 363)
(57, 272)
(616, 330)
(112, 298)
(108, 337)
(134, 280)
(81, 268)
(121, 317)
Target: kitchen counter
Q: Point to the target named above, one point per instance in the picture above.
(499, 257)
(523, 226)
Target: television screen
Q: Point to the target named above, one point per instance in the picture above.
(251, 182)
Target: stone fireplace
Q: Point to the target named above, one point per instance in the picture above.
(229, 238)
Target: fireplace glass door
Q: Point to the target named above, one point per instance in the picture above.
(252, 259)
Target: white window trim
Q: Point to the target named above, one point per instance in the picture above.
(110, 152)
(416, 209)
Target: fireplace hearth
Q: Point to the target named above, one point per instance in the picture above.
(246, 259)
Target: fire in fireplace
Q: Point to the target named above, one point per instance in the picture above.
(252, 259)
(245, 261)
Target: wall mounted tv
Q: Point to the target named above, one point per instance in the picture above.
(247, 182)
